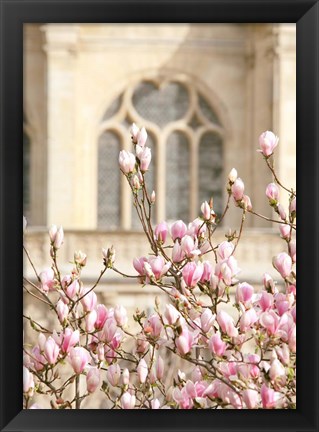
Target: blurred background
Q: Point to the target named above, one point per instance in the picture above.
(204, 92)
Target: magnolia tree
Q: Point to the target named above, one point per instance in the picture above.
(244, 357)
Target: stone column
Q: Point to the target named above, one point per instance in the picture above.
(259, 114)
(285, 106)
(61, 49)
(34, 109)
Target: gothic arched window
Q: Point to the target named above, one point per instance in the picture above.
(186, 139)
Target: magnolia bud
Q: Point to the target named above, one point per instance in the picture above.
(113, 374)
(232, 176)
(238, 189)
(109, 256)
(272, 192)
(80, 258)
(142, 371)
(267, 142)
(126, 376)
(134, 132)
(93, 379)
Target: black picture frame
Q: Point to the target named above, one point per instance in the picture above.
(305, 13)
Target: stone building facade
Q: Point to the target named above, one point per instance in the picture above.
(204, 93)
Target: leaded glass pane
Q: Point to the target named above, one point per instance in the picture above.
(177, 177)
(26, 175)
(210, 170)
(113, 108)
(207, 111)
(150, 180)
(161, 106)
(108, 181)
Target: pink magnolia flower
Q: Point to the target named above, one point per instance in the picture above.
(238, 189)
(266, 301)
(89, 301)
(232, 176)
(268, 396)
(145, 158)
(142, 137)
(281, 212)
(248, 319)
(268, 282)
(178, 230)
(283, 303)
(226, 323)
(292, 250)
(138, 264)
(142, 371)
(272, 192)
(190, 246)
(292, 206)
(184, 342)
(270, 321)
(171, 314)
(158, 266)
(268, 141)
(277, 372)
(161, 231)
(126, 376)
(285, 231)
(69, 339)
(182, 398)
(109, 330)
(155, 404)
(120, 315)
(70, 287)
(102, 315)
(283, 264)
(247, 202)
(38, 360)
(28, 382)
(51, 350)
(113, 374)
(93, 379)
(153, 326)
(128, 401)
(206, 320)
(47, 280)
(292, 338)
(177, 253)
(127, 161)
(283, 353)
(56, 236)
(225, 249)
(250, 398)
(206, 210)
(62, 310)
(196, 228)
(244, 293)
(253, 360)
(192, 273)
(80, 258)
(141, 345)
(90, 321)
(207, 271)
(217, 345)
(134, 130)
(79, 358)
